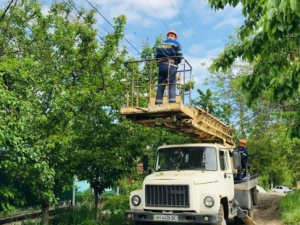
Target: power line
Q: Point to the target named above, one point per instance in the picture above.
(129, 50)
(101, 36)
(5, 11)
(111, 25)
(79, 15)
(100, 25)
(99, 13)
(162, 20)
(186, 27)
(158, 16)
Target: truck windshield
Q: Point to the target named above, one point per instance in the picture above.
(186, 158)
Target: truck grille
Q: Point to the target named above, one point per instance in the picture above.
(167, 195)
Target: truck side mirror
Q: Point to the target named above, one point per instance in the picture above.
(145, 163)
(236, 160)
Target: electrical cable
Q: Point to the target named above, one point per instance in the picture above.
(112, 25)
(158, 16)
(186, 27)
(183, 49)
(99, 24)
(101, 36)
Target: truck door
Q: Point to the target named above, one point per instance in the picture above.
(226, 174)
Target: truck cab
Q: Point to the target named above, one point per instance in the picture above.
(191, 183)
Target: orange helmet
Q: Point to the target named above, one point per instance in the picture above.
(243, 141)
(172, 32)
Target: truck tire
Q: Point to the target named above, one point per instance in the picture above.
(221, 219)
(237, 220)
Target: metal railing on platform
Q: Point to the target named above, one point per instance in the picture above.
(141, 82)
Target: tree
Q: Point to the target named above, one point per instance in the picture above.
(269, 40)
(230, 94)
(269, 150)
(52, 70)
(61, 91)
(25, 146)
(105, 153)
(205, 101)
(272, 154)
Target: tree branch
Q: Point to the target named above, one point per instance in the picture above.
(5, 11)
(7, 25)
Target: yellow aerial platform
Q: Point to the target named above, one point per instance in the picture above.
(193, 121)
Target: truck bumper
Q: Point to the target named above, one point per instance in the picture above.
(182, 218)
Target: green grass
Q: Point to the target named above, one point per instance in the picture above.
(290, 210)
(74, 215)
(111, 213)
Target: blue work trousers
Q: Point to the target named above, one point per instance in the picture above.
(166, 75)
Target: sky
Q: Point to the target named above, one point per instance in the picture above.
(202, 32)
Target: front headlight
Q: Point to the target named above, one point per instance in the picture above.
(136, 200)
(209, 201)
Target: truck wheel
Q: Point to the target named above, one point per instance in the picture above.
(221, 219)
(238, 220)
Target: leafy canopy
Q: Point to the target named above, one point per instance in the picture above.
(269, 39)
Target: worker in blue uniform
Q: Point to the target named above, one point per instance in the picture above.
(168, 55)
(244, 156)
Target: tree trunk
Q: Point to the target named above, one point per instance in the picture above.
(271, 181)
(45, 213)
(96, 204)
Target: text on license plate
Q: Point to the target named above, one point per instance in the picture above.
(165, 217)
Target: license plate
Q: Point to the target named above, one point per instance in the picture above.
(165, 217)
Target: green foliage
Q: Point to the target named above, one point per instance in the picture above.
(289, 207)
(114, 207)
(29, 222)
(189, 85)
(90, 222)
(205, 101)
(127, 186)
(56, 82)
(271, 153)
(85, 197)
(263, 180)
(116, 218)
(115, 203)
(113, 213)
(229, 98)
(294, 159)
(73, 215)
(267, 143)
(208, 101)
(269, 40)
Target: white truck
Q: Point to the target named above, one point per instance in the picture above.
(193, 183)
(190, 183)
